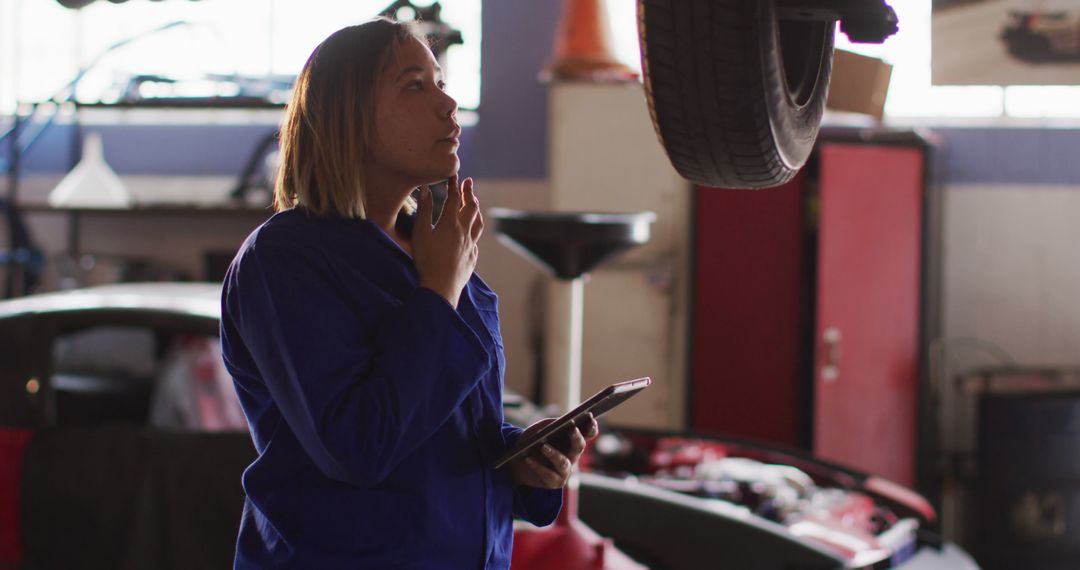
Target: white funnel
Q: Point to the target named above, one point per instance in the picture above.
(91, 184)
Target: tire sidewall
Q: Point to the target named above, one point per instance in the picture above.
(793, 127)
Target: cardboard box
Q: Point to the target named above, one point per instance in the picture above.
(859, 84)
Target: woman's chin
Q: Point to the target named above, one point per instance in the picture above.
(438, 171)
(449, 170)
(453, 167)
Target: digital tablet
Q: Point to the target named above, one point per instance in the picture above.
(598, 404)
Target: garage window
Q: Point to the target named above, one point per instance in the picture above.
(911, 96)
(44, 45)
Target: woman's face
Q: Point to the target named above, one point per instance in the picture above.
(416, 131)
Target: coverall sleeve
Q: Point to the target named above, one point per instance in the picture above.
(361, 378)
(535, 505)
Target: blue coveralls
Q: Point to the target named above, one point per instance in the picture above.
(375, 407)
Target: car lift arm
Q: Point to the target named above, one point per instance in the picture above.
(864, 21)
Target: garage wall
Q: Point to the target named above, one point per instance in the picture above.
(1009, 192)
(605, 157)
(1011, 295)
(1011, 268)
(1011, 290)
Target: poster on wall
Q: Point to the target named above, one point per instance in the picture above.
(1006, 42)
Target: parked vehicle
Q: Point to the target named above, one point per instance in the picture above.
(753, 506)
(1041, 32)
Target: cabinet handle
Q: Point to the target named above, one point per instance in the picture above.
(830, 372)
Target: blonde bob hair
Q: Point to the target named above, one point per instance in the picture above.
(328, 124)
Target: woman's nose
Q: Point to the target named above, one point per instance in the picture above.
(449, 106)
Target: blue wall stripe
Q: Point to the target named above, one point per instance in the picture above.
(500, 148)
(511, 138)
(192, 150)
(1036, 156)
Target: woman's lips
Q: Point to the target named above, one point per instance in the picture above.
(453, 136)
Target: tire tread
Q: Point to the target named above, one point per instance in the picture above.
(706, 89)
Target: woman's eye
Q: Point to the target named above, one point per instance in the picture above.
(442, 85)
(417, 84)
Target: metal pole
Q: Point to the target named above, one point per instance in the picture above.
(562, 382)
(575, 339)
(572, 393)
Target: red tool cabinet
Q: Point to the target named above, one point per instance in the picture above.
(809, 303)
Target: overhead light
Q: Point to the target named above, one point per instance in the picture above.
(91, 184)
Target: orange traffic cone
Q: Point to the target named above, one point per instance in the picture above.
(583, 46)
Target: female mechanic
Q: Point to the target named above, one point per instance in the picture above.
(365, 352)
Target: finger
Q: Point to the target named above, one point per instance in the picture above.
(545, 474)
(577, 445)
(470, 203)
(423, 209)
(469, 210)
(469, 192)
(468, 198)
(478, 226)
(453, 193)
(592, 429)
(560, 462)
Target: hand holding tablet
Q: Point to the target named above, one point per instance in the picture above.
(597, 405)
